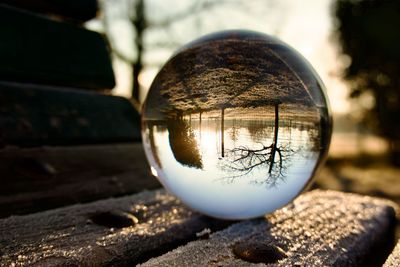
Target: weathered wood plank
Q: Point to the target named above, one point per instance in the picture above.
(93, 234)
(77, 10)
(394, 258)
(319, 229)
(35, 179)
(35, 49)
(37, 115)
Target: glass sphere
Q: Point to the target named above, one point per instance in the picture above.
(235, 124)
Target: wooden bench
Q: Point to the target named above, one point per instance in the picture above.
(63, 138)
(76, 188)
(320, 228)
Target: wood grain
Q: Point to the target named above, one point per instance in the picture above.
(35, 179)
(321, 228)
(32, 115)
(394, 258)
(77, 235)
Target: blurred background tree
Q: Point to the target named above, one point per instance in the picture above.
(136, 13)
(369, 34)
(157, 28)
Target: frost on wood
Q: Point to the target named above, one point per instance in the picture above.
(321, 228)
(120, 231)
(394, 258)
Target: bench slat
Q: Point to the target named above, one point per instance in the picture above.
(394, 258)
(80, 10)
(34, 179)
(85, 235)
(37, 115)
(34, 49)
(320, 228)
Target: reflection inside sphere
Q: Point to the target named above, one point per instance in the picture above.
(235, 124)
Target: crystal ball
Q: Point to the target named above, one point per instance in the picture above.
(235, 124)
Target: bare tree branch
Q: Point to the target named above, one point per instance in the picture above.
(195, 8)
(111, 40)
(245, 160)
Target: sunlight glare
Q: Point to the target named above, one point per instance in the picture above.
(153, 171)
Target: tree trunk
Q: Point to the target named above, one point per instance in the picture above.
(200, 119)
(222, 133)
(136, 69)
(274, 144)
(200, 125)
(139, 23)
